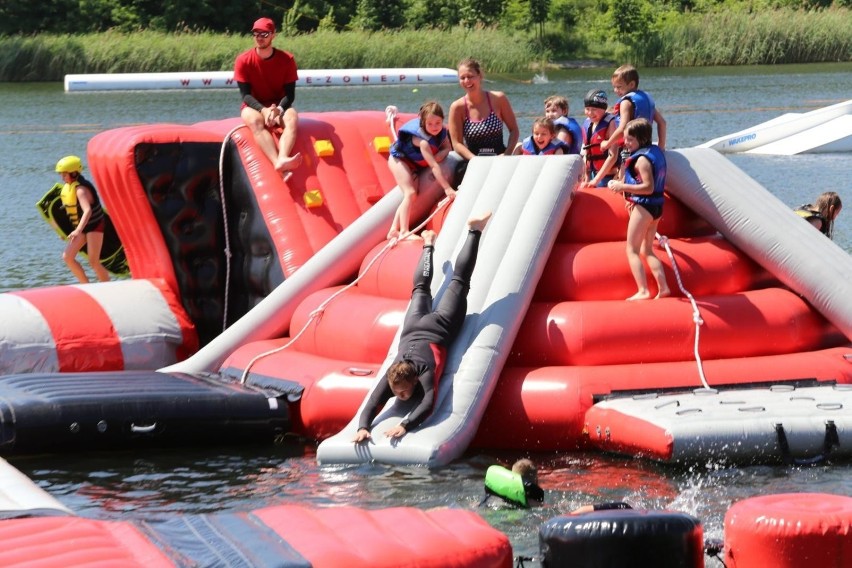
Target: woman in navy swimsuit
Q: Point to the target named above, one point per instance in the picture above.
(477, 119)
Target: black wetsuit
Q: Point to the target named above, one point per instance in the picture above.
(426, 334)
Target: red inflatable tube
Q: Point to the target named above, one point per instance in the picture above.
(599, 271)
(543, 409)
(346, 536)
(598, 215)
(392, 273)
(797, 530)
(752, 323)
(43, 542)
(333, 389)
(372, 319)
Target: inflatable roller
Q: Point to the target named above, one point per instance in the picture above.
(599, 271)
(623, 538)
(599, 215)
(323, 393)
(372, 319)
(543, 408)
(797, 530)
(758, 322)
(391, 274)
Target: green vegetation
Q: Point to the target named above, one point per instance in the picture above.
(505, 35)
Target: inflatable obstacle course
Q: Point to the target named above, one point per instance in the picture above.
(112, 252)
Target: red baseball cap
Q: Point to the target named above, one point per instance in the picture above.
(264, 25)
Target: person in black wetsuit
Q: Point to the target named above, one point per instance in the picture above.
(426, 334)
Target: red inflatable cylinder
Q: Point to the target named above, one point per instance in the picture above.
(797, 530)
(758, 322)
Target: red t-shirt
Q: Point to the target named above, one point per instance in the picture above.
(267, 77)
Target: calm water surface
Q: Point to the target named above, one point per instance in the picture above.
(39, 123)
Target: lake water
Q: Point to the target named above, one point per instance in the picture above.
(39, 123)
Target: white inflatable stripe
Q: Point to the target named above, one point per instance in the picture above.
(26, 343)
(766, 229)
(19, 494)
(529, 197)
(148, 331)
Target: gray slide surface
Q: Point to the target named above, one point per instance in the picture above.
(766, 229)
(529, 196)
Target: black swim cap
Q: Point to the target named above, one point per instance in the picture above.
(596, 98)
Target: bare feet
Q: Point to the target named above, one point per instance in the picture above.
(478, 223)
(640, 295)
(451, 193)
(665, 293)
(289, 162)
(393, 234)
(428, 237)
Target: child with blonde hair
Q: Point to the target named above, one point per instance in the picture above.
(823, 212)
(633, 103)
(643, 186)
(567, 129)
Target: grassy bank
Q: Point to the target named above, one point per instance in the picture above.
(50, 57)
(671, 39)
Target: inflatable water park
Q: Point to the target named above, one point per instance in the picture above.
(257, 307)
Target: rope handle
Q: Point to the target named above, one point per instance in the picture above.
(696, 313)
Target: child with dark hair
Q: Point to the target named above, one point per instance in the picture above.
(643, 186)
(426, 335)
(543, 140)
(421, 143)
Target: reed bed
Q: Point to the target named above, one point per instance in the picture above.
(731, 38)
(678, 40)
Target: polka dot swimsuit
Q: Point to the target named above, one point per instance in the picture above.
(483, 137)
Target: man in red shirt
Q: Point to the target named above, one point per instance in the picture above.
(267, 77)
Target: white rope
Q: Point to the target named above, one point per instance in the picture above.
(696, 314)
(225, 221)
(317, 313)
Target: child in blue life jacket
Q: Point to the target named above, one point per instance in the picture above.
(421, 143)
(633, 103)
(643, 186)
(601, 166)
(567, 129)
(542, 142)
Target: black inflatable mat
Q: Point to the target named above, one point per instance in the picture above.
(63, 411)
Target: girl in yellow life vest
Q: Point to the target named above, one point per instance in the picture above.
(81, 203)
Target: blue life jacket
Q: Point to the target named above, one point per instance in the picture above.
(530, 149)
(573, 128)
(658, 165)
(407, 145)
(643, 106)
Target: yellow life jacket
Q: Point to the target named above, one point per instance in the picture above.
(68, 195)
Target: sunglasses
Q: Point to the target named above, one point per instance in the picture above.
(262, 35)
